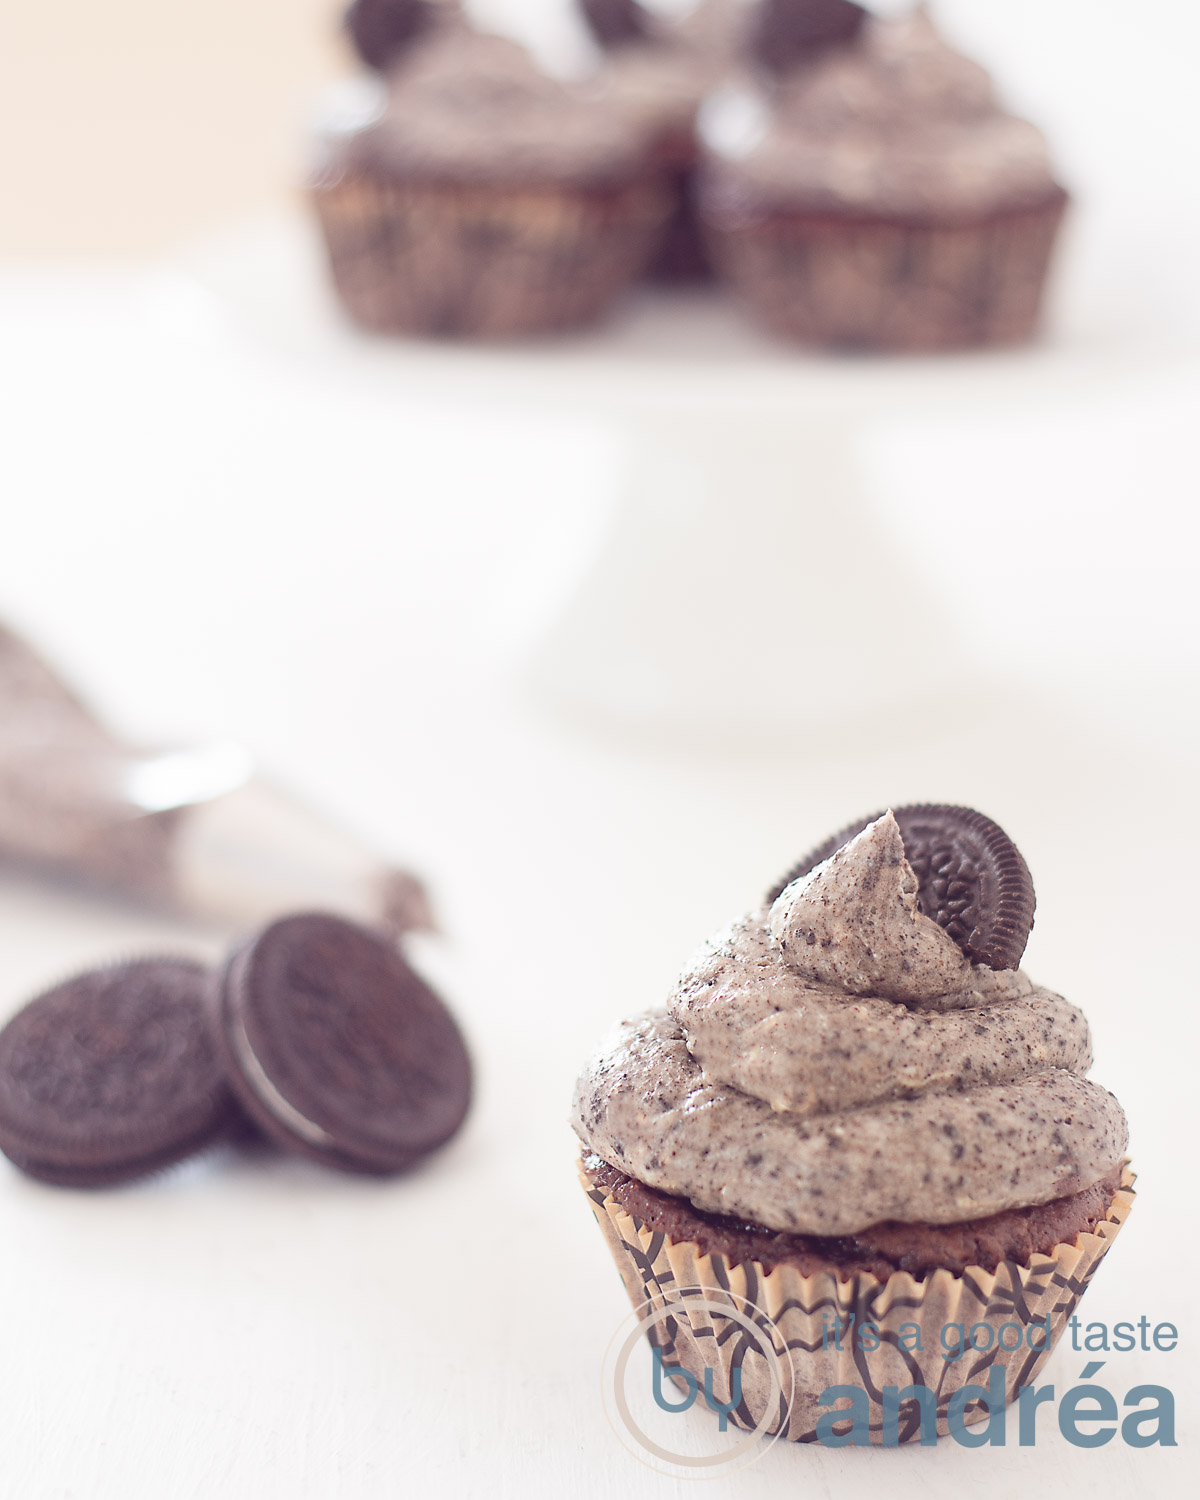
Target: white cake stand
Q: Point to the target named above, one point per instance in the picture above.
(742, 587)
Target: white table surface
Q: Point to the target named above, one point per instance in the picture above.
(216, 545)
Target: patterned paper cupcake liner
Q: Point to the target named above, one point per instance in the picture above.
(876, 284)
(806, 1318)
(484, 261)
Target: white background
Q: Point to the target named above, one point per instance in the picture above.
(225, 516)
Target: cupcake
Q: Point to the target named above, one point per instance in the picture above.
(656, 72)
(473, 194)
(859, 1118)
(872, 193)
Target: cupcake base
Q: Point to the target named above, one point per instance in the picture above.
(482, 260)
(861, 283)
(682, 256)
(833, 1324)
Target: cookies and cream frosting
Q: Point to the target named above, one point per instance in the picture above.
(834, 1061)
(468, 107)
(661, 77)
(894, 123)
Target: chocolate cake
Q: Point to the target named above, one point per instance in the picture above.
(1014, 1235)
(485, 198)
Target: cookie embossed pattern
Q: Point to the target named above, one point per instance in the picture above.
(112, 1074)
(315, 1033)
(856, 1112)
(336, 1048)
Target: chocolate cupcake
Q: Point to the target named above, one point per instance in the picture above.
(845, 1123)
(656, 73)
(874, 194)
(481, 197)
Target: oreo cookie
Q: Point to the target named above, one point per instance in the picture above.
(112, 1075)
(382, 30)
(972, 879)
(336, 1049)
(614, 22)
(788, 33)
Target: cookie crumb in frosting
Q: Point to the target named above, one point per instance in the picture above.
(855, 922)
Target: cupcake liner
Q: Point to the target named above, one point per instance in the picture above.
(801, 1316)
(826, 279)
(682, 255)
(482, 260)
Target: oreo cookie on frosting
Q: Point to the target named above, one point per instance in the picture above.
(972, 879)
(336, 1048)
(383, 30)
(112, 1075)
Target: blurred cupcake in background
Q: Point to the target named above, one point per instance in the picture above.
(869, 191)
(656, 71)
(470, 193)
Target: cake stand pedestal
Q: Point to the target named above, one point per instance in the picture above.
(743, 587)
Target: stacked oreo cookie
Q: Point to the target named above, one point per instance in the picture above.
(315, 1032)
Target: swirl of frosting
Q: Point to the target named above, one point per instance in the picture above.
(477, 107)
(834, 1062)
(896, 122)
(754, 1024)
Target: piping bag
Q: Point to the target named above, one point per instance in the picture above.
(193, 830)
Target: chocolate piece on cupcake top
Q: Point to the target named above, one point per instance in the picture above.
(336, 1048)
(835, 1060)
(787, 33)
(893, 124)
(717, 27)
(614, 23)
(112, 1074)
(383, 30)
